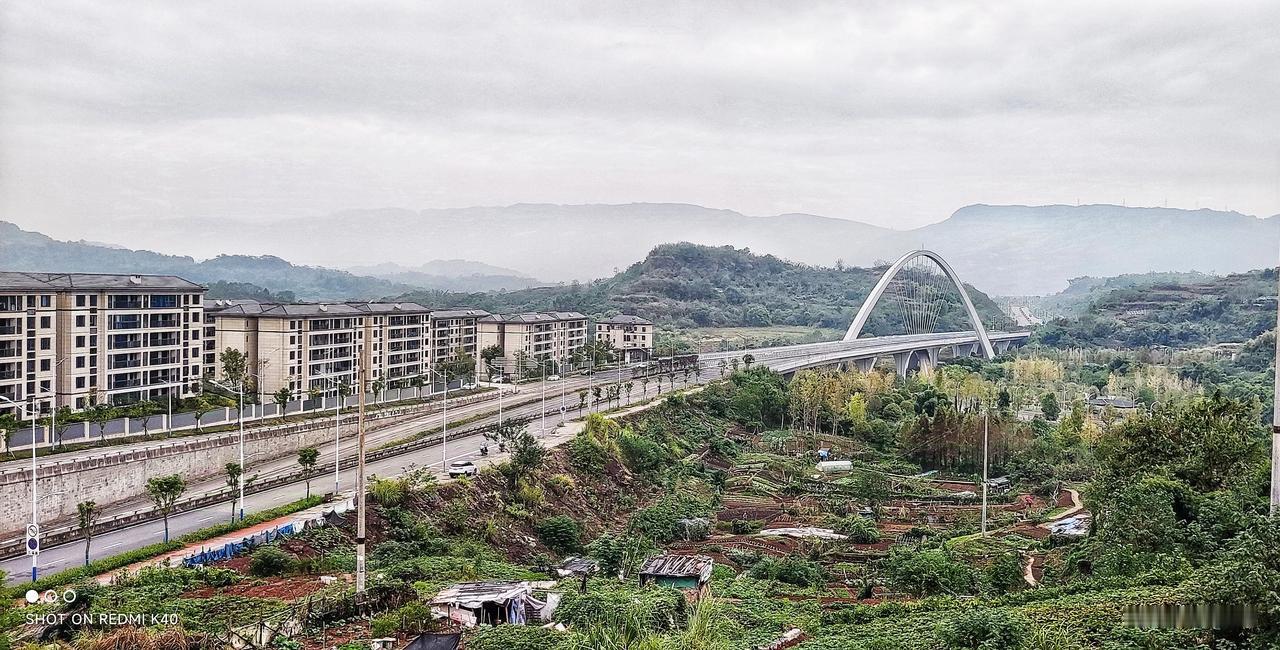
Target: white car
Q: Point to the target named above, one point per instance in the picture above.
(462, 468)
(553, 378)
(470, 386)
(497, 380)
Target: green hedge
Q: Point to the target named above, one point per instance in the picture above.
(109, 564)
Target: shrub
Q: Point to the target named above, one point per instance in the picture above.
(641, 454)
(983, 629)
(792, 569)
(530, 495)
(387, 491)
(561, 534)
(561, 483)
(587, 455)
(270, 561)
(928, 572)
(859, 529)
(514, 637)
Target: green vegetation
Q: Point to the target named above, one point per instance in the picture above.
(690, 286)
(1177, 492)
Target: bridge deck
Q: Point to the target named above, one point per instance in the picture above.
(794, 357)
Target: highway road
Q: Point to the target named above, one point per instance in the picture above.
(65, 556)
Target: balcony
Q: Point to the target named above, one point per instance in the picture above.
(163, 321)
(124, 342)
(162, 340)
(10, 351)
(129, 322)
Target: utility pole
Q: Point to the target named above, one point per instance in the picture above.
(360, 489)
(986, 425)
(1275, 439)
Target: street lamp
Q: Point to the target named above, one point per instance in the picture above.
(337, 426)
(444, 434)
(240, 416)
(29, 413)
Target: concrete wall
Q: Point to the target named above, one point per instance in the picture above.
(116, 475)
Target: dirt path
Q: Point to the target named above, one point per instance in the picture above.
(1076, 506)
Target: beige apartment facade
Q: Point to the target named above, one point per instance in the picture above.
(75, 339)
(453, 332)
(631, 336)
(321, 347)
(530, 339)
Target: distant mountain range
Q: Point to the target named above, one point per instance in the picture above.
(451, 275)
(1007, 250)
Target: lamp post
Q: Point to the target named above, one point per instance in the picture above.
(337, 428)
(239, 390)
(1275, 439)
(360, 487)
(444, 432)
(29, 412)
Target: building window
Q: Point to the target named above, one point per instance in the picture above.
(79, 321)
(46, 322)
(44, 365)
(46, 343)
(79, 362)
(45, 301)
(79, 341)
(79, 382)
(80, 300)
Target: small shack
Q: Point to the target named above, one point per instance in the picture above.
(678, 571)
(577, 566)
(492, 603)
(1000, 485)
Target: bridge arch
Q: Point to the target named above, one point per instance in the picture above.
(873, 298)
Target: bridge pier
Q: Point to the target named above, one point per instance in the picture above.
(964, 350)
(930, 358)
(1002, 347)
(865, 365)
(902, 362)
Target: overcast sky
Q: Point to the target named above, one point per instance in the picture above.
(113, 115)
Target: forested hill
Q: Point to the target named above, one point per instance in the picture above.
(1227, 309)
(688, 285)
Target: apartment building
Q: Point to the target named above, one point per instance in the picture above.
(318, 347)
(533, 337)
(398, 341)
(632, 336)
(73, 339)
(454, 330)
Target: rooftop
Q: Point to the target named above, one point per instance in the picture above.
(534, 317)
(677, 566)
(624, 319)
(10, 280)
(472, 594)
(390, 307)
(457, 312)
(279, 310)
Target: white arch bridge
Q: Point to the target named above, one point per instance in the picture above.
(908, 351)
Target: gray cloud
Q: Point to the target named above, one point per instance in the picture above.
(115, 115)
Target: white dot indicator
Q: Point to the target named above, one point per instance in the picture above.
(33, 596)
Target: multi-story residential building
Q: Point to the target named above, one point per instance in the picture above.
(398, 341)
(296, 346)
(319, 347)
(534, 337)
(453, 331)
(632, 336)
(75, 339)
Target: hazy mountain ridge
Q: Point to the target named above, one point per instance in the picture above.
(1008, 250)
(21, 250)
(451, 275)
(689, 285)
